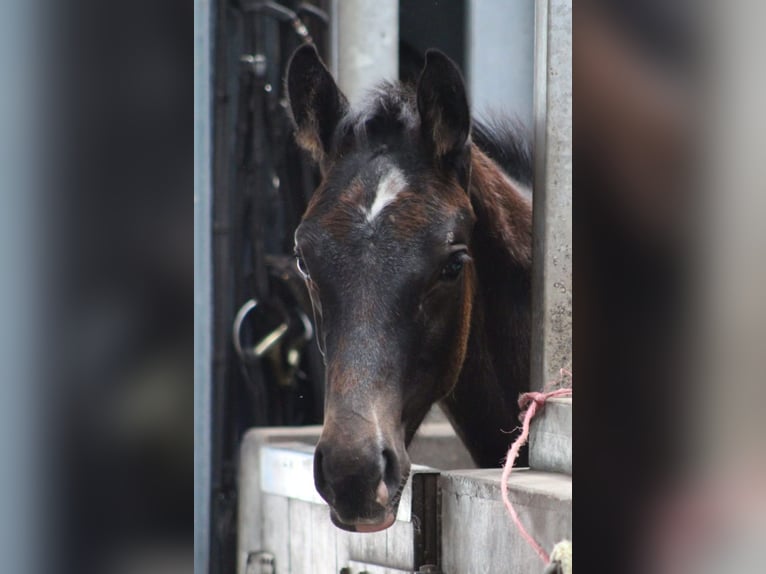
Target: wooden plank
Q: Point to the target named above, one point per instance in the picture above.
(301, 536)
(323, 543)
(369, 547)
(250, 511)
(276, 530)
(400, 546)
(287, 469)
(343, 541)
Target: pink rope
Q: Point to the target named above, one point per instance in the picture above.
(531, 402)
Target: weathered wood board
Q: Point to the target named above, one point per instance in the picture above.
(477, 534)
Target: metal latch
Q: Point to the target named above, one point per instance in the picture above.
(260, 563)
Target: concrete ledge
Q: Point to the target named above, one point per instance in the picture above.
(550, 440)
(477, 533)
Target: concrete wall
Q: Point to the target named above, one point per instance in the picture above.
(552, 278)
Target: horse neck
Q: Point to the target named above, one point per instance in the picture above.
(496, 367)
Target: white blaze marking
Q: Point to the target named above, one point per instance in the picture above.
(389, 187)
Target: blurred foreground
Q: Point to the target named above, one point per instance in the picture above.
(669, 176)
(96, 242)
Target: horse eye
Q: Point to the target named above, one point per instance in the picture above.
(454, 265)
(301, 265)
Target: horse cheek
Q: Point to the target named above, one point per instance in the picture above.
(463, 331)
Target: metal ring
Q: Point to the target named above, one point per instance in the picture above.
(269, 340)
(308, 328)
(237, 327)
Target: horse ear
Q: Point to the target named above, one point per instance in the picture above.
(445, 117)
(316, 103)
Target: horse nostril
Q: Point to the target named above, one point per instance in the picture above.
(390, 467)
(320, 480)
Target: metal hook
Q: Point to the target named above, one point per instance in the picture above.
(265, 344)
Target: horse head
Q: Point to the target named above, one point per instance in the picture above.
(384, 247)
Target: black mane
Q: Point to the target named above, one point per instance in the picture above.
(508, 143)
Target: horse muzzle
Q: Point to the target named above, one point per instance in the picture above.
(363, 486)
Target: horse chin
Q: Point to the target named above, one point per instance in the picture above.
(365, 525)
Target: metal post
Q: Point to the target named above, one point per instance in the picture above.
(203, 35)
(28, 298)
(552, 273)
(727, 316)
(500, 57)
(368, 45)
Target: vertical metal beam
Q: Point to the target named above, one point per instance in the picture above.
(500, 57)
(368, 45)
(552, 273)
(27, 297)
(203, 324)
(727, 320)
(332, 57)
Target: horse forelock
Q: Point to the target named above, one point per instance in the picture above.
(386, 114)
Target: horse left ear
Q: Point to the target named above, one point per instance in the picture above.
(316, 103)
(445, 117)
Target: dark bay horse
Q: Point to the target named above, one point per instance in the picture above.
(416, 249)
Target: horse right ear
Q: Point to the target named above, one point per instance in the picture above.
(316, 103)
(443, 107)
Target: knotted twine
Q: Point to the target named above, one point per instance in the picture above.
(530, 404)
